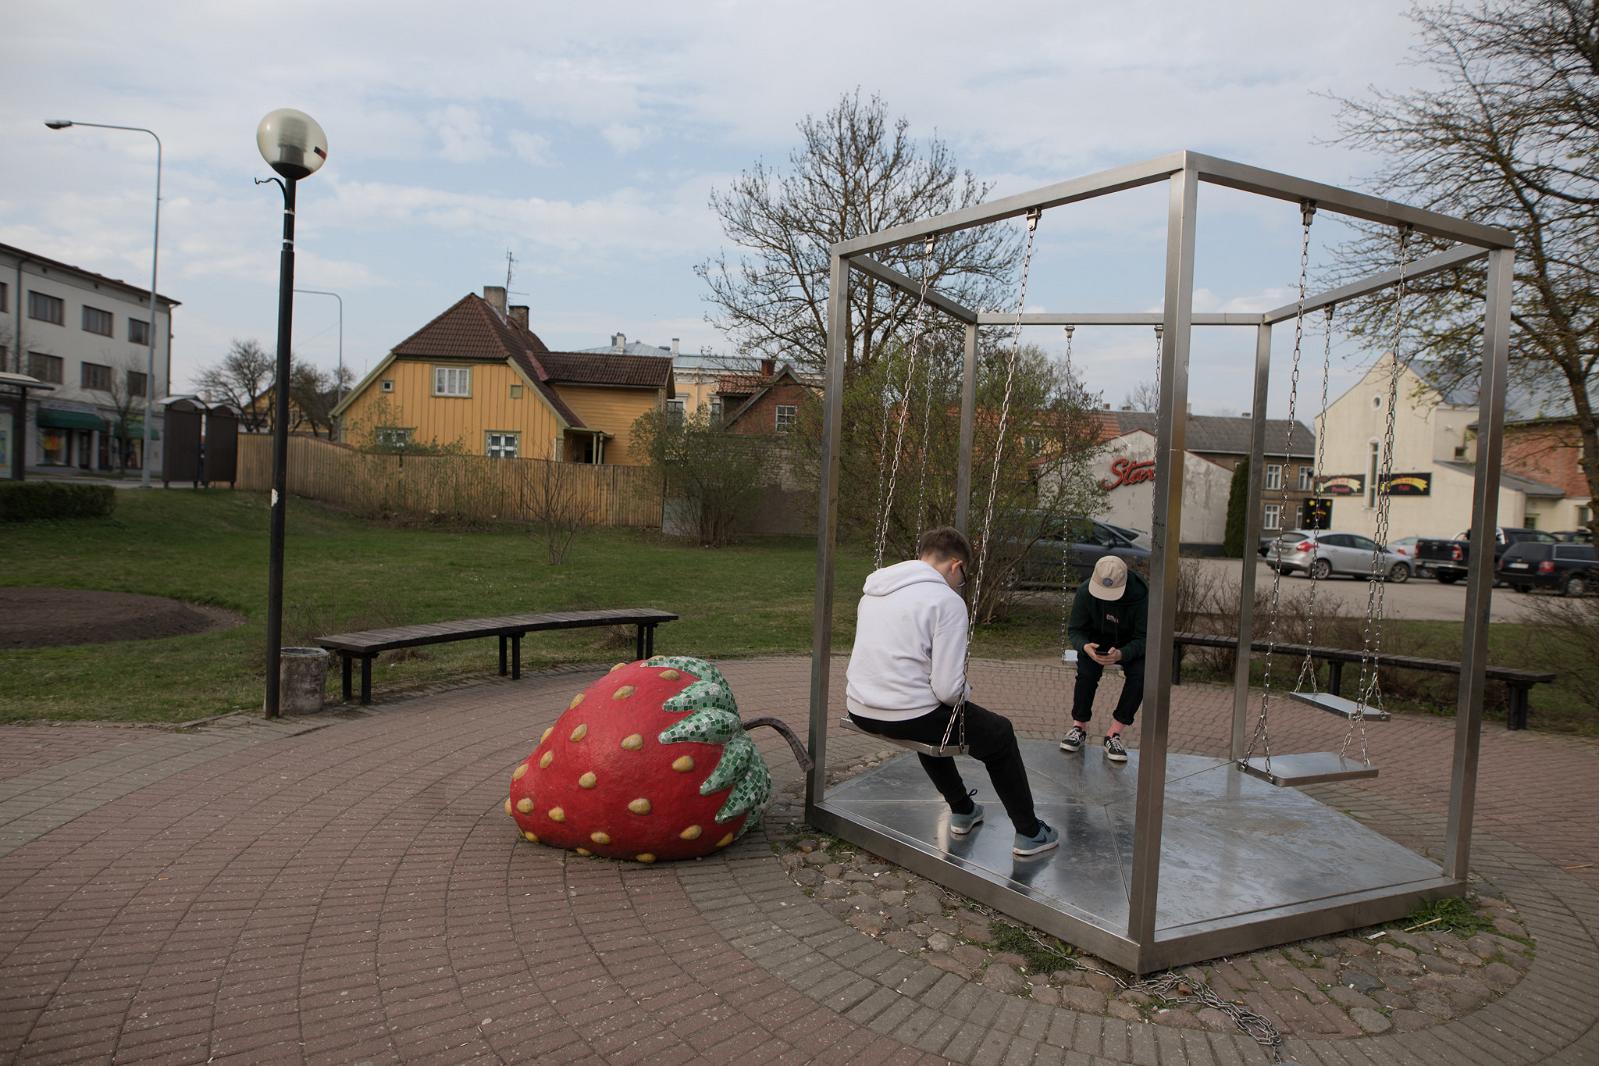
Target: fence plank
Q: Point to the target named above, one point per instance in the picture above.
(473, 487)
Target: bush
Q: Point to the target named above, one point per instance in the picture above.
(39, 501)
(1233, 545)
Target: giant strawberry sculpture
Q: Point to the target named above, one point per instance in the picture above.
(650, 762)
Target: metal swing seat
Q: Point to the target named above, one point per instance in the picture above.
(936, 751)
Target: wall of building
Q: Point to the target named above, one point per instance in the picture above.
(762, 417)
(613, 410)
(1205, 490)
(1445, 512)
(501, 400)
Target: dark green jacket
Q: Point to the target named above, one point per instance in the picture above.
(1111, 623)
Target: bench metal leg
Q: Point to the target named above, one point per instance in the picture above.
(1516, 705)
(516, 657)
(366, 679)
(638, 642)
(502, 655)
(1335, 676)
(344, 656)
(649, 641)
(1177, 665)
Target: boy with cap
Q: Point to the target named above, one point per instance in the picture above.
(1107, 628)
(909, 669)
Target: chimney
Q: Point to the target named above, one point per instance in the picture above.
(495, 297)
(768, 368)
(519, 315)
(619, 342)
(1108, 406)
(674, 347)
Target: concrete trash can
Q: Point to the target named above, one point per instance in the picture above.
(302, 677)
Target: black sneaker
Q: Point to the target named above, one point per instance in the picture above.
(1115, 751)
(1074, 739)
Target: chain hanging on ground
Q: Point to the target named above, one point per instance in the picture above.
(1307, 681)
(1372, 630)
(1308, 210)
(886, 498)
(960, 713)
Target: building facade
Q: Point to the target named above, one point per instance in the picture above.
(86, 336)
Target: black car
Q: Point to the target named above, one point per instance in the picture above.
(1084, 542)
(1567, 568)
(1574, 536)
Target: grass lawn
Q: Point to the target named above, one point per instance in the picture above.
(344, 573)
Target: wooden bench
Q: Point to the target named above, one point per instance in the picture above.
(510, 629)
(1518, 682)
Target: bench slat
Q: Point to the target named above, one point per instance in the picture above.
(1408, 662)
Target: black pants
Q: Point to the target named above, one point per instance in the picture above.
(990, 740)
(1088, 681)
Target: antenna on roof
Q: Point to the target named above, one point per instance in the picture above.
(511, 267)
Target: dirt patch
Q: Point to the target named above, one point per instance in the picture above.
(42, 617)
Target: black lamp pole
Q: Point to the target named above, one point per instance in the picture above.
(280, 449)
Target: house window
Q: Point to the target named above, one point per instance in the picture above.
(1274, 477)
(501, 445)
(716, 410)
(785, 417)
(96, 376)
(452, 381)
(138, 331)
(1272, 516)
(137, 383)
(675, 408)
(387, 386)
(516, 392)
(97, 321)
(47, 308)
(1372, 474)
(5, 298)
(45, 367)
(392, 436)
(1305, 479)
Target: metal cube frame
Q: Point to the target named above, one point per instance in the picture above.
(1141, 949)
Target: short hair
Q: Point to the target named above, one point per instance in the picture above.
(946, 542)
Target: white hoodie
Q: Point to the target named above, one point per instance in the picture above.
(911, 644)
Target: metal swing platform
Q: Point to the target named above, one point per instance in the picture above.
(1243, 863)
(1169, 858)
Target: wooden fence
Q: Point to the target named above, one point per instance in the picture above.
(471, 487)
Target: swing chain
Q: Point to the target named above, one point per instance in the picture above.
(1260, 735)
(1308, 668)
(960, 712)
(886, 496)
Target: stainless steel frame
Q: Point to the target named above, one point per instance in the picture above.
(1145, 944)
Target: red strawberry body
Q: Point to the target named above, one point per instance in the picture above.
(600, 780)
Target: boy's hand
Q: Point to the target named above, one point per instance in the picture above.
(1103, 658)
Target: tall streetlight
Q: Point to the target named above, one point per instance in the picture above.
(155, 243)
(293, 145)
(338, 383)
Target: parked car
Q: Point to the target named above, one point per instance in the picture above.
(1448, 558)
(1574, 536)
(1326, 554)
(1086, 541)
(1406, 548)
(1567, 568)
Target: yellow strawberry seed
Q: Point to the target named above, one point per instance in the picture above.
(632, 742)
(691, 833)
(579, 733)
(683, 764)
(640, 806)
(587, 780)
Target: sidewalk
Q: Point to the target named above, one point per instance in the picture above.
(347, 889)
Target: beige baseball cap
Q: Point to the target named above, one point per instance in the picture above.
(1109, 580)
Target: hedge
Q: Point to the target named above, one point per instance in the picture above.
(36, 501)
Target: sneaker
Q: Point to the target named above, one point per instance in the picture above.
(1074, 739)
(962, 824)
(1045, 839)
(1115, 750)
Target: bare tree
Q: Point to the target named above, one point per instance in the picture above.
(1145, 396)
(550, 499)
(311, 402)
(1508, 138)
(856, 171)
(128, 402)
(242, 378)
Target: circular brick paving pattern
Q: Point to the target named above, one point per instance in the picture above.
(349, 890)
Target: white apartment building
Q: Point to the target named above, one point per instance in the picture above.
(87, 337)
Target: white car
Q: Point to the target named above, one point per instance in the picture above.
(1325, 554)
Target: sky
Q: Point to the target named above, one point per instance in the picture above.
(586, 139)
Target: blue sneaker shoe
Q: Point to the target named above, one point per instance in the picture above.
(962, 824)
(1045, 839)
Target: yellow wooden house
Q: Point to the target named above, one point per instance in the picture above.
(478, 379)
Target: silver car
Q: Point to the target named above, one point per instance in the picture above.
(1302, 551)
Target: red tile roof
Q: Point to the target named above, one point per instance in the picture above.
(469, 329)
(590, 368)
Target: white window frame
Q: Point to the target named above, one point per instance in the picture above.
(1274, 476)
(1305, 479)
(452, 381)
(785, 416)
(392, 436)
(1374, 460)
(1272, 516)
(386, 385)
(502, 444)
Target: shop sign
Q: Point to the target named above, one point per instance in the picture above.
(1316, 512)
(1341, 485)
(1408, 484)
(1125, 471)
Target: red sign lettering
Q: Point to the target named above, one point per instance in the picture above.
(1125, 471)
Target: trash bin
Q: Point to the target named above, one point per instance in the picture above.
(302, 675)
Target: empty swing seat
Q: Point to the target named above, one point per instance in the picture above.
(846, 722)
(1342, 706)
(1308, 768)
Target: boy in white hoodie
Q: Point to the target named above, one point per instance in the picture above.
(908, 670)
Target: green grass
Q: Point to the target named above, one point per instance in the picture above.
(1040, 952)
(1451, 914)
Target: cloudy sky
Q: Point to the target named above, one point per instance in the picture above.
(585, 139)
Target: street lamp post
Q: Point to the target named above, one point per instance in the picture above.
(338, 383)
(155, 244)
(293, 145)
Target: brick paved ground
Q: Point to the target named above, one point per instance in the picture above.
(348, 890)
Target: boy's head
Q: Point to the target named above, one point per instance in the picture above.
(948, 551)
